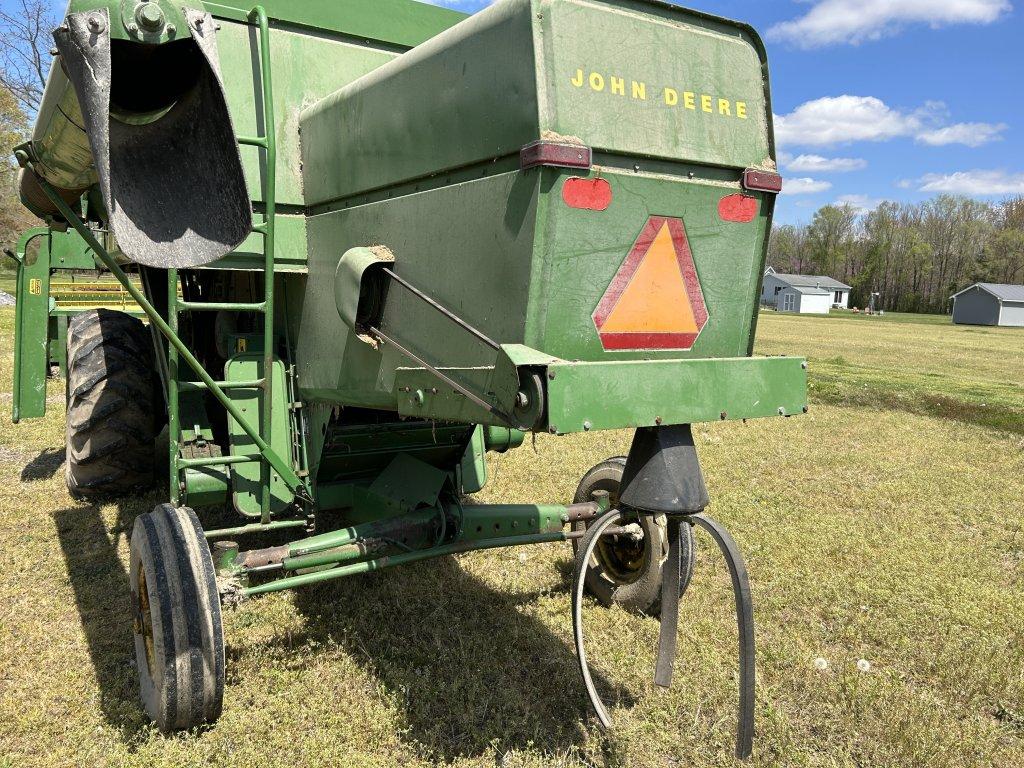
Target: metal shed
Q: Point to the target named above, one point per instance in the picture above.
(804, 300)
(990, 304)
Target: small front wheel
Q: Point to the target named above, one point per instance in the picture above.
(625, 569)
(179, 639)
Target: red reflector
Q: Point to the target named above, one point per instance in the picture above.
(554, 154)
(588, 194)
(738, 208)
(762, 181)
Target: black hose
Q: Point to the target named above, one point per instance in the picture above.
(670, 615)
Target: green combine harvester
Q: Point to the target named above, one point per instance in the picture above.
(370, 242)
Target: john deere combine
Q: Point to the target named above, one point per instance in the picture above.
(375, 240)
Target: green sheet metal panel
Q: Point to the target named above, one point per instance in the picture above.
(646, 79)
(477, 263)
(509, 75)
(645, 393)
(402, 23)
(305, 68)
(245, 478)
(467, 95)
(31, 326)
(579, 253)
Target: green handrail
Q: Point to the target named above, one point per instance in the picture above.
(269, 145)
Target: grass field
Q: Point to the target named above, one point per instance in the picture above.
(880, 527)
(969, 373)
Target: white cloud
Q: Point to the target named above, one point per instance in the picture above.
(862, 203)
(975, 183)
(971, 134)
(819, 164)
(855, 21)
(842, 119)
(839, 119)
(804, 186)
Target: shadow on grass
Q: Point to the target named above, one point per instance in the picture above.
(100, 583)
(847, 389)
(475, 674)
(44, 466)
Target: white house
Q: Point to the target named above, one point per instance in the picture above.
(815, 294)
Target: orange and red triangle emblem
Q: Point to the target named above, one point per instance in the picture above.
(654, 301)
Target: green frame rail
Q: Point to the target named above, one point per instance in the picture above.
(31, 315)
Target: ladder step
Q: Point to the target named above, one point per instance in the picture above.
(218, 461)
(221, 306)
(253, 141)
(200, 386)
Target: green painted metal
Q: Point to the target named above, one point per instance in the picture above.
(69, 251)
(31, 354)
(399, 23)
(418, 152)
(245, 530)
(173, 394)
(658, 145)
(617, 395)
(247, 480)
(548, 68)
(294, 482)
(302, 580)
(268, 142)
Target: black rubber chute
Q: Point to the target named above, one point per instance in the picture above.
(663, 474)
(173, 186)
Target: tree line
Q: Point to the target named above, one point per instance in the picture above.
(25, 42)
(914, 255)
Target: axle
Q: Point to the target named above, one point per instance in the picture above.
(446, 529)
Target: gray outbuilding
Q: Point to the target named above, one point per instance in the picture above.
(989, 304)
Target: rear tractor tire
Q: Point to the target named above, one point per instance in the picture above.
(179, 638)
(625, 570)
(110, 399)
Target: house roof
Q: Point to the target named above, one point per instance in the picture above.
(1002, 291)
(813, 281)
(808, 290)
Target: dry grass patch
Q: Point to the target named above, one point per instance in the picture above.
(970, 374)
(885, 536)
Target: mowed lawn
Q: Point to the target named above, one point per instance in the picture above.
(886, 531)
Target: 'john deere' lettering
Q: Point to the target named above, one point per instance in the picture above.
(669, 96)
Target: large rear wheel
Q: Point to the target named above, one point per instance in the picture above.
(110, 397)
(625, 569)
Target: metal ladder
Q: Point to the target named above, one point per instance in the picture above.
(175, 307)
(177, 351)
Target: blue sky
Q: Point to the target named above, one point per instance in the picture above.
(888, 99)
